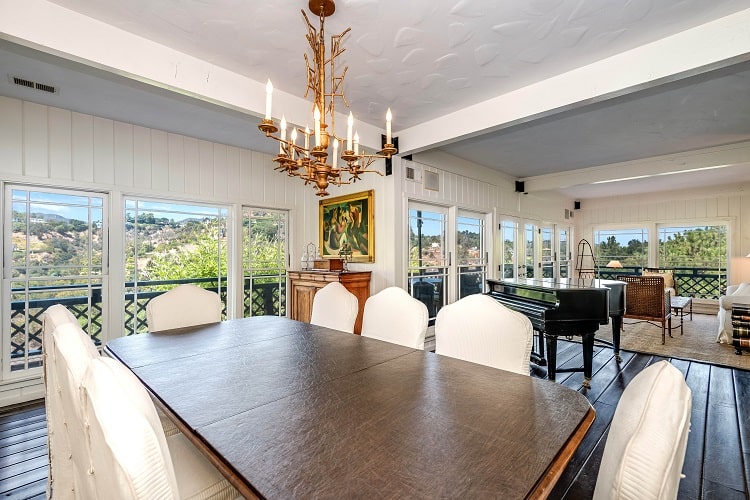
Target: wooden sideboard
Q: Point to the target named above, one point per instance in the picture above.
(304, 284)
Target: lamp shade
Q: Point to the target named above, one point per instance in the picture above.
(615, 264)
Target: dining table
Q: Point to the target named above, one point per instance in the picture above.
(286, 409)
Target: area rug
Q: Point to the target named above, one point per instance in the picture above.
(698, 343)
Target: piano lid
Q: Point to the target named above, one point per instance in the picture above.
(554, 284)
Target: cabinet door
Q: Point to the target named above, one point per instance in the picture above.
(302, 300)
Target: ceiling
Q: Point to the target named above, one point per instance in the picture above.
(426, 60)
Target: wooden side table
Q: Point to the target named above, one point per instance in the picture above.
(679, 304)
(303, 285)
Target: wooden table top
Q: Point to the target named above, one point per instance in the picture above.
(287, 409)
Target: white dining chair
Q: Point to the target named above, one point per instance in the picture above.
(645, 448)
(131, 458)
(479, 329)
(182, 306)
(60, 476)
(73, 350)
(335, 307)
(395, 316)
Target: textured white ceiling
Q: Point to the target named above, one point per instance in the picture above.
(426, 59)
(423, 58)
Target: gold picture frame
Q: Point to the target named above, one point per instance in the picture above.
(346, 227)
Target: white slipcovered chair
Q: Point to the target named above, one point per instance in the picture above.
(479, 329)
(131, 458)
(736, 294)
(182, 306)
(73, 351)
(395, 316)
(645, 448)
(60, 477)
(335, 307)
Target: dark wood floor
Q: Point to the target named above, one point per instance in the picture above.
(717, 465)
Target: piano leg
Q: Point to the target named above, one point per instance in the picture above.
(542, 361)
(551, 356)
(588, 358)
(616, 329)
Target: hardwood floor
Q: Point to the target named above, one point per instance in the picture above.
(717, 464)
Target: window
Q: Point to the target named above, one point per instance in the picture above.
(471, 254)
(547, 248)
(629, 246)
(265, 252)
(428, 256)
(528, 270)
(563, 254)
(55, 253)
(508, 233)
(167, 244)
(698, 256)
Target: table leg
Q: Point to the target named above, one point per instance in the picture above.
(551, 356)
(588, 358)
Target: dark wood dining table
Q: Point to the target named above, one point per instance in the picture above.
(291, 410)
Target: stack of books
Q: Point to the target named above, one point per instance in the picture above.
(740, 327)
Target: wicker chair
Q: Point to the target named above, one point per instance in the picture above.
(647, 300)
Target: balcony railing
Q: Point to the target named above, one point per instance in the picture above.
(696, 282)
(262, 295)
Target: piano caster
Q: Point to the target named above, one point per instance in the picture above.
(617, 357)
(587, 382)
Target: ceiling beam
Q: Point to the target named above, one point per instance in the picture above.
(711, 46)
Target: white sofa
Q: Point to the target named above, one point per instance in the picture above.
(736, 294)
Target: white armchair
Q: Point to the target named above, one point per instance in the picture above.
(736, 294)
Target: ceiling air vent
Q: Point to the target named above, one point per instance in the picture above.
(44, 87)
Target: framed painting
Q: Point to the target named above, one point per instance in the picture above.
(346, 227)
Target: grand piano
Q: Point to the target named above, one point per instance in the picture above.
(565, 307)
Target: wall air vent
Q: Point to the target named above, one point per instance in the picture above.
(23, 82)
(431, 180)
(412, 172)
(409, 173)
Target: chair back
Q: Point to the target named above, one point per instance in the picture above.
(645, 448)
(645, 297)
(130, 457)
(60, 477)
(182, 306)
(335, 307)
(395, 316)
(72, 351)
(479, 329)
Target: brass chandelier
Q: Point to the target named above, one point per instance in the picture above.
(310, 162)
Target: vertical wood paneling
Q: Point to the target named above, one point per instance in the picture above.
(192, 165)
(142, 157)
(176, 160)
(712, 206)
(83, 147)
(159, 160)
(722, 206)
(233, 172)
(11, 136)
(700, 208)
(254, 177)
(35, 140)
(220, 190)
(124, 154)
(206, 160)
(104, 151)
(60, 142)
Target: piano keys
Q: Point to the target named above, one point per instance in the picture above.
(563, 307)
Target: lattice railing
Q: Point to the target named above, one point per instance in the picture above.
(696, 282)
(26, 322)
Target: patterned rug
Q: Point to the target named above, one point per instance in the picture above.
(698, 343)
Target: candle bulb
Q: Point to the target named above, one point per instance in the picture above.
(356, 143)
(349, 125)
(388, 118)
(316, 116)
(283, 134)
(307, 141)
(335, 152)
(294, 142)
(269, 91)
